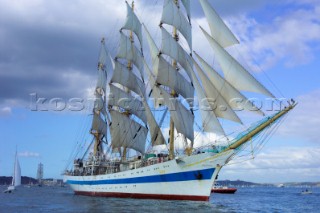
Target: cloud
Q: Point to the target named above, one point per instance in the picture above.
(291, 38)
(274, 164)
(5, 111)
(51, 47)
(304, 120)
(28, 154)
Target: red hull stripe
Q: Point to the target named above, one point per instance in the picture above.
(225, 191)
(143, 196)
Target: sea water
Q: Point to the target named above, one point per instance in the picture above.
(256, 199)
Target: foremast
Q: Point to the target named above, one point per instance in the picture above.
(170, 84)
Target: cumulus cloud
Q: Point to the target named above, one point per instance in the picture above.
(51, 47)
(28, 154)
(298, 163)
(291, 37)
(5, 111)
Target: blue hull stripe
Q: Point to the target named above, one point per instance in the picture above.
(205, 174)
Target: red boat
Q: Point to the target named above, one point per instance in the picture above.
(224, 190)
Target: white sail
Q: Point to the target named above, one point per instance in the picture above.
(129, 51)
(219, 30)
(155, 92)
(234, 72)
(172, 48)
(104, 66)
(210, 122)
(104, 58)
(125, 132)
(132, 23)
(123, 76)
(186, 4)
(236, 100)
(154, 51)
(127, 102)
(99, 105)
(171, 15)
(17, 173)
(168, 76)
(98, 125)
(220, 106)
(155, 131)
(102, 81)
(182, 118)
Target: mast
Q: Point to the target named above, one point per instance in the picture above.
(14, 169)
(129, 66)
(96, 135)
(98, 129)
(174, 94)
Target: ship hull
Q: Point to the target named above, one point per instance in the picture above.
(187, 178)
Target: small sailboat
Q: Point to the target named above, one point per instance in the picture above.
(16, 178)
(306, 192)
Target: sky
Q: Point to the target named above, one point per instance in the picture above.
(49, 49)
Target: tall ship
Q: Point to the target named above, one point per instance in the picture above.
(152, 106)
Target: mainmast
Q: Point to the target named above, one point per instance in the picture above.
(14, 169)
(129, 123)
(130, 67)
(174, 94)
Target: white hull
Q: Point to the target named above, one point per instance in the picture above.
(188, 178)
(10, 189)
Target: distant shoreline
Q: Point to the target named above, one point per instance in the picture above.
(5, 180)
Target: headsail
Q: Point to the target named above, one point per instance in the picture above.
(210, 122)
(16, 178)
(220, 106)
(219, 30)
(234, 72)
(236, 100)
